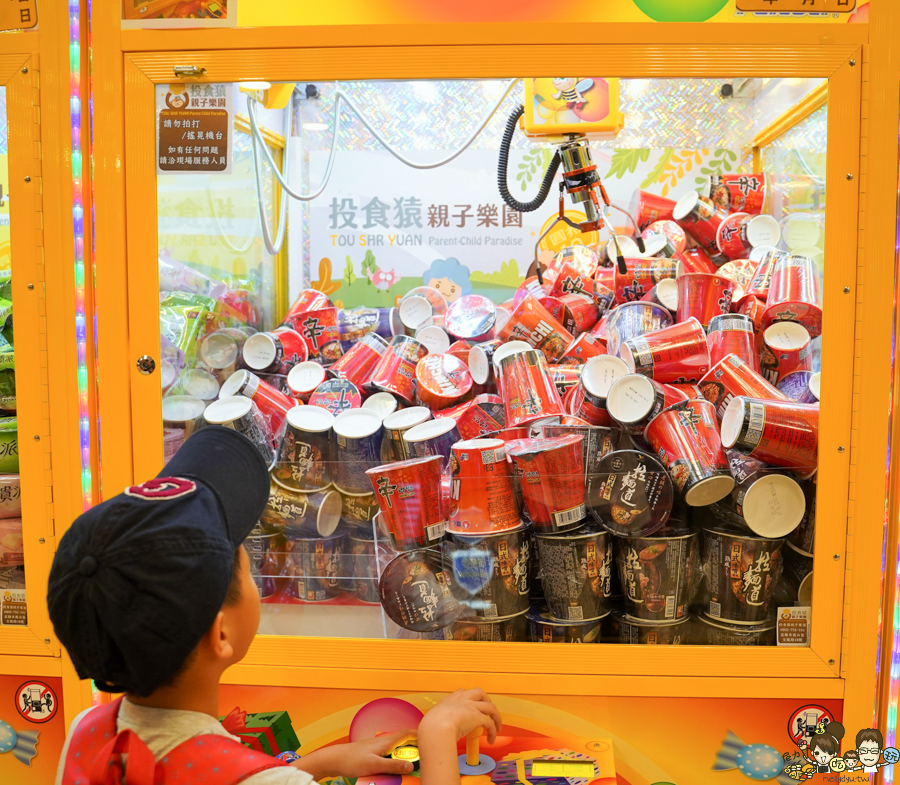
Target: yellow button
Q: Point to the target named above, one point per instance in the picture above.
(406, 753)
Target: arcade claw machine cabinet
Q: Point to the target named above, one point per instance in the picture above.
(534, 360)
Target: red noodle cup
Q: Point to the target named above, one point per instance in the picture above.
(753, 308)
(740, 233)
(442, 380)
(598, 441)
(242, 414)
(700, 218)
(634, 400)
(786, 348)
(762, 277)
(273, 405)
(532, 323)
(435, 338)
(579, 258)
(396, 370)
(739, 271)
(771, 503)
(658, 572)
(471, 317)
(779, 433)
(689, 390)
(694, 260)
(583, 348)
(303, 379)
(416, 592)
(336, 395)
(630, 320)
(359, 360)
(647, 208)
(732, 334)
(393, 445)
(565, 377)
(571, 281)
(744, 192)
(552, 480)
(321, 331)
(794, 294)
(597, 376)
(460, 350)
(731, 377)
(304, 461)
(482, 496)
(641, 276)
(800, 386)
(482, 415)
(580, 312)
(505, 350)
(530, 286)
(671, 231)
(741, 571)
(528, 392)
(686, 439)
(275, 352)
(665, 293)
(307, 300)
(408, 495)
(673, 354)
(630, 493)
(604, 296)
(703, 296)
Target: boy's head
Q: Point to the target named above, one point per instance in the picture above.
(869, 742)
(141, 579)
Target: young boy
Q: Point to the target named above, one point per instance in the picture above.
(151, 594)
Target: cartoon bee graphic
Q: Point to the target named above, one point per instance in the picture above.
(569, 89)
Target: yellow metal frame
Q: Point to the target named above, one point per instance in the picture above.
(815, 99)
(862, 121)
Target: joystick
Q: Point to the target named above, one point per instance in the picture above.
(473, 762)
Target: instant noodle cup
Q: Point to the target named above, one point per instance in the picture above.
(570, 281)
(673, 354)
(576, 571)
(532, 323)
(741, 570)
(198, 383)
(694, 260)
(703, 296)
(510, 629)
(182, 412)
(358, 362)
(583, 348)
(578, 257)
(336, 395)
(732, 377)
(646, 208)
(543, 628)
(307, 300)
(303, 514)
(671, 231)
(396, 370)
(222, 348)
(630, 493)
(303, 379)
(416, 592)
(419, 304)
(739, 192)
(770, 503)
(598, 441)
(565, 377)
(665, 293)
(382, 403)
(471, 317)
(732, 334)
(552, 480)
(528, 393)
(274, 352)
(786, 348)
(801, 386)
(740, 272)
(272, 404)
(579, 312)
(779, 433)
(393, 446)
(460, 350)
(715, 632)
(631, 320)
(237, 413)
(491, 572)
(482, 415)
(686, 439)
(595, 381)
(700, 218)
(798, 573)
(794, 294)
(480, 362)
(442, 380)
(634, 400)
(658, 572)
(321, 333)
(435, 339)
(740, 233)
(804, 536)
(654, 633)
(483, 497)
(640, 276)
(359, 510)
(408, 494)
(319, 565)
(759, 284)
(356, 323)
(434, 437)
(362, 556)
(357, 448)
(304, 460)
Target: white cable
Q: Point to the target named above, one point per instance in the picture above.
(281, 226)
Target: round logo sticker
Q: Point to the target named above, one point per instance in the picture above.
(803, 722)
(162, 488)
(36, 702)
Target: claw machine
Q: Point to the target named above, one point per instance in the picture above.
(533, 360)
(46, 470)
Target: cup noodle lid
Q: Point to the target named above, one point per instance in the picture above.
(667, 293)
(357, 423)
(304, 377)
(181, 408)
(786, 336)
(415, 310)
(630, 398)
(404, 419)
(382, 403)
(507, 349)
(600, 372)
(628, 247)
(227, 410)
(430, 429)
(774, 506)
(259, 351)
(435, 339)
(763, 230)
(311, 419)
(685, 205)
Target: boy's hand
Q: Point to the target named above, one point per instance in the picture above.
(461, 713)
(358, 759)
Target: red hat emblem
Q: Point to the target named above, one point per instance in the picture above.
(162, 488)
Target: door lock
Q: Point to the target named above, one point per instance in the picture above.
(146, 364)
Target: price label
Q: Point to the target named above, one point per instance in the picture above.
(18, 15)
(811, 6)
(562, 768)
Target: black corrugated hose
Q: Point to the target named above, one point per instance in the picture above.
(503, 163)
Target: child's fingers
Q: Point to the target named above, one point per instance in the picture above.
(393, 740)
(490, 726)
(391, 766)
(487, 707)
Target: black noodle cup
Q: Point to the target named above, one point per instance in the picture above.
(658, 573)
(630, 493)
(576, 570)
(363, 561)
(491, 572)
(304, 460)
(359, 510)
(510, 629)
(771, 503)
(417, 592)
(302, 514)
(258, 545)
(715, 632)
(598, 441)
(741, 570)
(543, 628)
(804, 536)
(653, 633)
(798, 574)
(319, 566)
